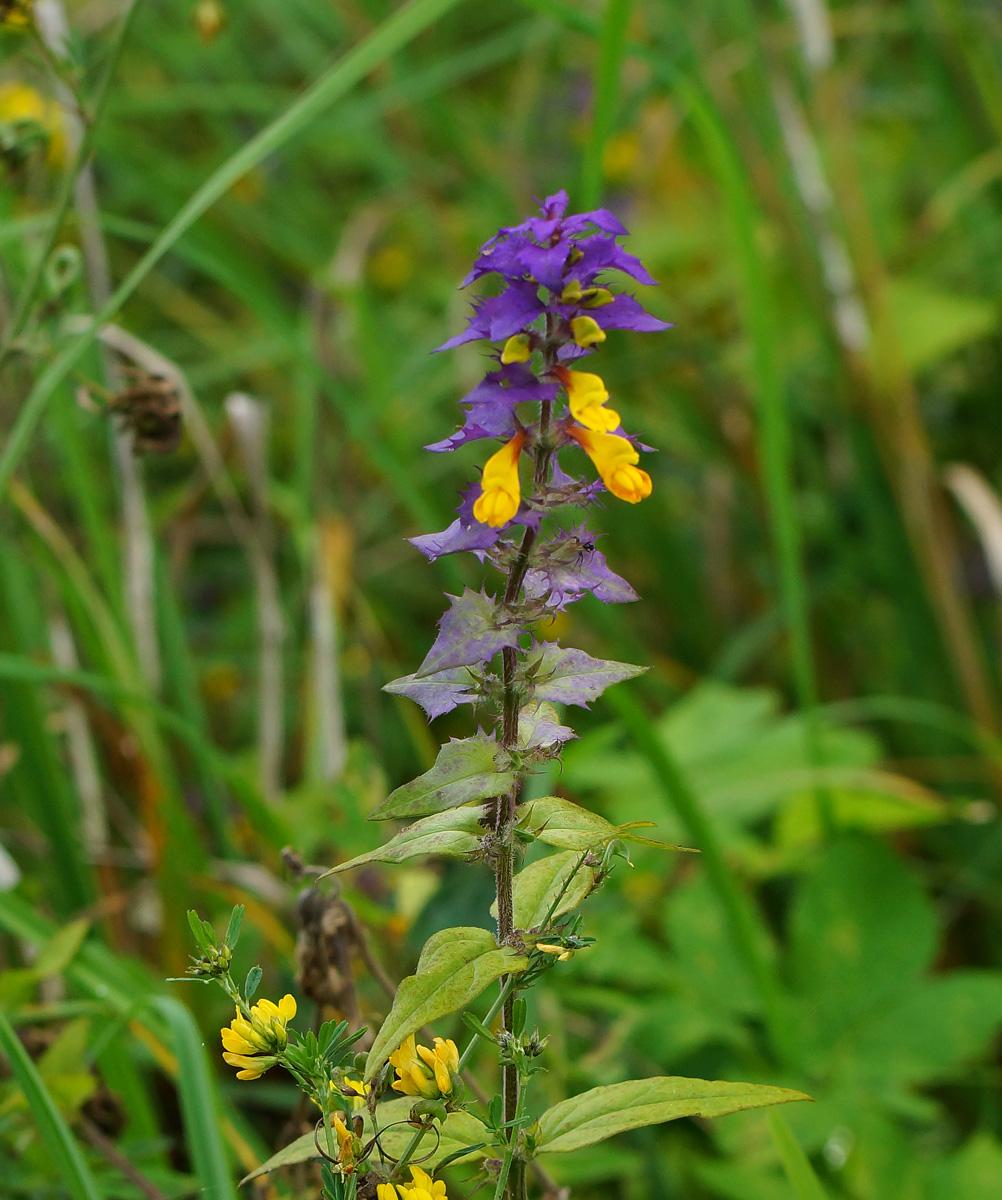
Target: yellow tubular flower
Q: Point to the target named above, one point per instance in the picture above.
(21, 104)
(586, 396)
(517, 349)
(500, 493)
(251, 1068)
(616, 461)
(586, 331)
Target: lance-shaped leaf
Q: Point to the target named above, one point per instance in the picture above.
(438, 693)
(604, 1111)
(470, 633)
(458, 1131)
(559, 882)
(464, 771)
(572, 676)
(539, 727)
(454, 968)
(456, 831)
(568, 826)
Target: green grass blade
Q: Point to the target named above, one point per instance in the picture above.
(200, 1104)
(774, 434)
(56, 1135)
(390, 36)
(612, 48)
(796, 1164)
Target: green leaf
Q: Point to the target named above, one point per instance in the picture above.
(252, 983)
(933, 324)
(861, 932)
(60, 950)
(233, 928)
(55, 1133)
(538, 885)
(568, 826)
(201, 1111)
(605, 1111)
(463, 772)
(456, 831)
(198, 929)
(454, 968)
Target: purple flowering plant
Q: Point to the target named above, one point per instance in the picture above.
(556, 306)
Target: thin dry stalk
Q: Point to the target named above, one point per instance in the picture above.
(138, 564)
(249, 419)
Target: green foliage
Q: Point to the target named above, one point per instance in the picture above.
(827, 234)
(455, 966)
(602, 1112)
(465, 770)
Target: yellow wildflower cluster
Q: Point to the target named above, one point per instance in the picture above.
(261, 1035)
(424, 1072)
(421, 1187)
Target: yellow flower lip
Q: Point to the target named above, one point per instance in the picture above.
(616, 459)
(501, 493)
(586, 331)
(517, 349)
(586, 395)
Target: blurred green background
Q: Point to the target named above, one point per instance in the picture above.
(193, 642)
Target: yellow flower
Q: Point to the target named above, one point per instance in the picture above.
(252, 1068)
(593, 297)
(562, 954)
(586, 331)
(263, 1033)
(357, 1102)
(345, 1144)
(421, 1187)
(500, 493)
(15, 14)
(424, 1072)
(616, 461)
(586, 395)
(517, 349)
(24, 105)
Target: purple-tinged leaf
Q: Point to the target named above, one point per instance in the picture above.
(464, 771)
(470, 633)
(539, 727)
(459, 536)
(572, 676)
(439, 693)
(568, 566)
